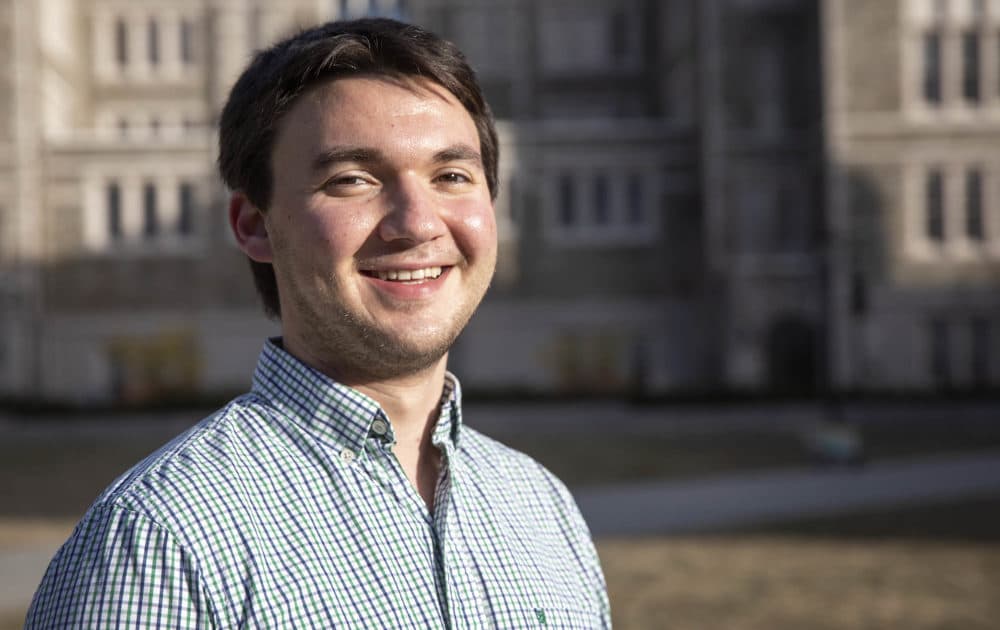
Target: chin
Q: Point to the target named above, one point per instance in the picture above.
(421, 348)
(395, 361)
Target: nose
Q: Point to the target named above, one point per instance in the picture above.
(413, 215)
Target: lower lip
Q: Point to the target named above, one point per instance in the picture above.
(410, 290)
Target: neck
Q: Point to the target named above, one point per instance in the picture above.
(412, 404)
(410, 401)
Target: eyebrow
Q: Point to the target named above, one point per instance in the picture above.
(336, 155)
(365, 155)
(459, 153)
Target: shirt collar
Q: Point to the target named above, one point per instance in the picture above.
(449, 423)
(334, 412)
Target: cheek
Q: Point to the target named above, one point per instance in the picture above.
(477, 226)
(335, 237)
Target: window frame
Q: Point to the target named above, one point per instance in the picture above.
(570, 201)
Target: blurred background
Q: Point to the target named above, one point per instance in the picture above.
(747, 304)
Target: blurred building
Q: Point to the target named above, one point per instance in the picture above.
(669, 216)
(913, 130)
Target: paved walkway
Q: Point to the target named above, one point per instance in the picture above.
(20, 572)
(670, 507)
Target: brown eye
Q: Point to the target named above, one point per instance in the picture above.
(348, 180)
(453, 177)
(348, 184)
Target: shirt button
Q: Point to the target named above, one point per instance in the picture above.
(347, 456)
(379, 426)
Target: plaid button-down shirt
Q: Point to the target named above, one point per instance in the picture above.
(288, 509)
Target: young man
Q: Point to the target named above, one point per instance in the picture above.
(344, 490)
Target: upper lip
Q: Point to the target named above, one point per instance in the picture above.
(403, 266)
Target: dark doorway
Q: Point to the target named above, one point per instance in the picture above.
(792, 356)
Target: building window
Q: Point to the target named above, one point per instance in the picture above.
(602, 201)
(955, 53)
(513, 192)
(395, 9)
(932, 67)
(974, 228)
(398, 10)
(485, 35)
(786, 215)
(970, 66)
(590, 207)
(150, 223)
(619, 34)
(114, 209)
(121, 42)
(567, 200)
(859, 294)
(587, 37)
(980, 351)
(940, 361)
(934, 204)
(187, 41)
(153, 41)
(185, 218)
(254, 35)
(633, 199)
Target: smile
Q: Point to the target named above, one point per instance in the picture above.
(406, 275)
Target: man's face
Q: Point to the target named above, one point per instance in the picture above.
(381, 226)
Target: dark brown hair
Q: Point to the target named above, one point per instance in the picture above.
(277, 76)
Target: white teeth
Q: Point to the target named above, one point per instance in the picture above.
(409, 275)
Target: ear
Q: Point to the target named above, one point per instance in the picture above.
(249, 228)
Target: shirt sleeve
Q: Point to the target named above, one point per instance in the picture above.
(591, 563)
(119, 569)
(578, 533)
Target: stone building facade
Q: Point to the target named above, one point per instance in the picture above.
(913, 130)
(669, 217)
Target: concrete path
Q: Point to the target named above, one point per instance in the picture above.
(671, 507)
(20, 572)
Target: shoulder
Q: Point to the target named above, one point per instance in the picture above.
(168, 517)
(510, 470)
(186, 479)
(480, 447)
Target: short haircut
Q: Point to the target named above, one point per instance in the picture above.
(279, 75)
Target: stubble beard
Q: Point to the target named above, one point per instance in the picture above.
(361, 350)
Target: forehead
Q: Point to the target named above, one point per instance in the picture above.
(366, 110)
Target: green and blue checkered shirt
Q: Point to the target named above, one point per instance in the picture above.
(288, 509)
